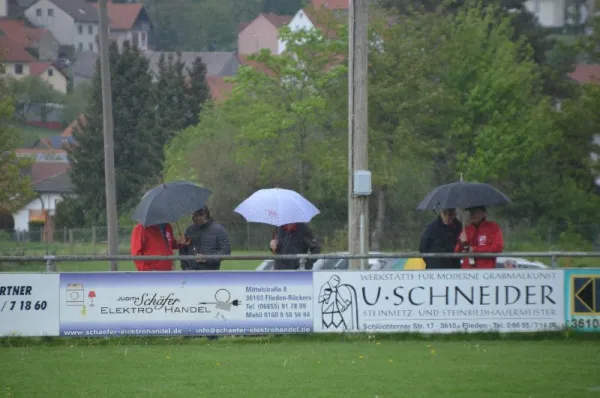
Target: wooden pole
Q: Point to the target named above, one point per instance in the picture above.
(358, 207)
(109, 152)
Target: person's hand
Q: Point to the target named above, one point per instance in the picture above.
(201, 260)
(463, 237)
(182, 240)
(273, 245)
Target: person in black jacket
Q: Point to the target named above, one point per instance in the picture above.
(204, 236)
(440, 237)
(294, 239)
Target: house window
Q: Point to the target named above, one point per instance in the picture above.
(50, 12)
(18, 69)
(38, 12)
(80, 46)
(80, 29)
(50, 72)
(136, 39)
(90, 29)
(91, 45)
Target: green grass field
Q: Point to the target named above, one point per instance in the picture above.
(95, 266)
(297, 367)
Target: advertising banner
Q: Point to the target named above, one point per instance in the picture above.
(582, 299)
(185, 303)
(29, 304)
(439, 301)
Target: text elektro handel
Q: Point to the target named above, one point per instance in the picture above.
(148, 304)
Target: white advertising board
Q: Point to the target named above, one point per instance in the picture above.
(439, 301)
(29, 304)
(185, 303)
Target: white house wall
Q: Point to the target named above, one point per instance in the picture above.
(550, 13)
(299, 22)
(21, 217)
(60, 24)
(63, 26)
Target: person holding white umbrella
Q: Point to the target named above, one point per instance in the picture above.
(295, 238)
(289, 212)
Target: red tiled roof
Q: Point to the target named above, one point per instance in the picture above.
(75, 124)
(13, 51)
(16, 31)
(243, 25)
(123, 16)
(278, 20)
(586, 73)
(331, 4)
(37, 68)
(219, 88)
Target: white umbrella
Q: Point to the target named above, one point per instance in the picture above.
(277, 207)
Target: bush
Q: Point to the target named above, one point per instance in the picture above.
(5, 236)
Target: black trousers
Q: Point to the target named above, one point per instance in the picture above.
(194, 266)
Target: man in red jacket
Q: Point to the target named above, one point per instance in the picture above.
(153, 240)
(481, 236)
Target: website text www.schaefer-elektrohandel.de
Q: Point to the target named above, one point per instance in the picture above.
(179, 331)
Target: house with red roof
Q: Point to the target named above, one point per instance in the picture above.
(40, 41)
(19, 45)
(128, 22)
(261, 33)
(74, 23)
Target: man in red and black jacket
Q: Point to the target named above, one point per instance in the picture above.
(481, 236)
(295, 238)
(153, 240)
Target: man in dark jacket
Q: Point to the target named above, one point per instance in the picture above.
(204, 236)
(441, 236)
(294, 239)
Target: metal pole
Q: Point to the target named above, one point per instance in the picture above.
(109, 155)
(358, 103)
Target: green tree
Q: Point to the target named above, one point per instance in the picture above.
(282, 125)
(171, 97)
(33, 91)
(76, 102)
(138, 146)
(198, 91)
(283, 7)
(524, 24)
(15, 187)
(455, 96)
(207, 25)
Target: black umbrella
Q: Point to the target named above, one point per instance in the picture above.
(462, 195)
(170, 201)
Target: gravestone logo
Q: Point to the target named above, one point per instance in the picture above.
(585, 295)
(339, 305)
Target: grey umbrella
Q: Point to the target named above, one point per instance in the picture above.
(170, 201)
(462, 195)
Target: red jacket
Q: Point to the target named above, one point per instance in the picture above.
(485, 238)
(149, 241)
